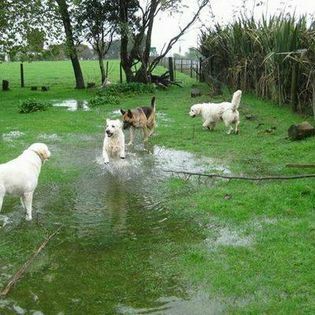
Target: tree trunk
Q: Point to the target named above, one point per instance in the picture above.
(124, 56)
(142, 74)
(64, 13)
(102, 68)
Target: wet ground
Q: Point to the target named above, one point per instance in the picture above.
(118, 248)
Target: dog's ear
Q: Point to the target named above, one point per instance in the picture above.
(122, 111)
(129, 113)
(121, 124)
(107, 120)
(44, 153)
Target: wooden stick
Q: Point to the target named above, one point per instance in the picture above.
(241, 177)
(22, 270)
(300, 165)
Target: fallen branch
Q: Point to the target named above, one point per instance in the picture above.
(240, 177)
(22, 270)
(300, 165)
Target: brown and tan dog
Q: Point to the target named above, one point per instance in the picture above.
(140, 117)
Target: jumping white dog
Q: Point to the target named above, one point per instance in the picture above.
(20, 176)
(213, 112)
(114, 141)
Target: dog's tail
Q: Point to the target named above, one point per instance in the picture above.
(153, 103)
(236, 99)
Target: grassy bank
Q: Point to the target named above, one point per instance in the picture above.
(254, 251)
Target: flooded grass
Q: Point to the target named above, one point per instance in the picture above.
(119, 242)
(138, 240)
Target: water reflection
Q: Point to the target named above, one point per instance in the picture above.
(120, 242)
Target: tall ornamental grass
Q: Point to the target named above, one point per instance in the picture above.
(274, 57)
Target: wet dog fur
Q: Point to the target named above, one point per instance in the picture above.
(19, 177)
(212, 113)
(140, 118)
(114, 141)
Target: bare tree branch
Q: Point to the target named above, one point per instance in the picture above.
(241, 177)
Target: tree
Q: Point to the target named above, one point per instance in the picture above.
(63, 9)
(96, 20)
(136, 20)
(20, 19)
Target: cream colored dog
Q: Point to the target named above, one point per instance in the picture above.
(213, 112)
(114, 141)
(20, 176)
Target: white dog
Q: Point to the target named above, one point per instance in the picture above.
(213, 112)
(20, 176)
(114, 141)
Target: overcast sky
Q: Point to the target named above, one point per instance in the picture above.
(167, 26)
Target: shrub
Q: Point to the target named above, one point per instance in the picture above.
(102, 100)
(127, 89)
(32, 105)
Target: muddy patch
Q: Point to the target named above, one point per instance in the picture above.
(72, 105)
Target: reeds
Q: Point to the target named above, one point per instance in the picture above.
(274, 57)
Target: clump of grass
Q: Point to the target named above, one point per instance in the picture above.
(273, 57)
(32, 105)
(103, 100)
(124, 89)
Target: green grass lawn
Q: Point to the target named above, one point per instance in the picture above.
(257, 248)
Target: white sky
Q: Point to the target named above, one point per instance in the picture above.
(167, 26)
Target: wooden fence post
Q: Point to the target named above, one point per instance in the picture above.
(120, 73)
(201, 76)
(5, 85)
(191, 68)
(294, 96)
(106, 71)
(171, 68)
(22, 74)
(313, 88)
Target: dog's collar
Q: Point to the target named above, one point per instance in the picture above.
(42, 160)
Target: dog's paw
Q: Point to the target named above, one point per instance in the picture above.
(129, 143)
(28, 217)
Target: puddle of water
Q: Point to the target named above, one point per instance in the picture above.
(199, 304)
(12, 135)
(227, 237)
(49, 137)
(116, 112)
(119, 242)
(72, 105)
